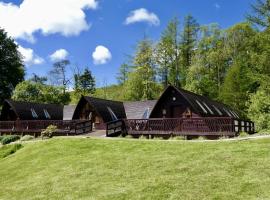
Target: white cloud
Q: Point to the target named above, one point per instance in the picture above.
(59, 54)
(217, 6)
(66, 17)
(142, 15)
(29, 57)
(101, 55)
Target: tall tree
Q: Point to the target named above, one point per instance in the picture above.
(188, 43)
(143, 74)
(84, 83)
(167, 55)
(122, 75)
(261, 14)
(11, 66)
(59, 74)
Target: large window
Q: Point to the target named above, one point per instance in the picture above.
(201, 106)
(34, 114)
(46, 113)
(113, 116)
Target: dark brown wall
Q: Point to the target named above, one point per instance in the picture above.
(174, 103)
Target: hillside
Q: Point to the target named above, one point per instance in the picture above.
(137, 169)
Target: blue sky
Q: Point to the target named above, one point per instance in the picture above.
(76, 28)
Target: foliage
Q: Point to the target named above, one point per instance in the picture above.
(49, 131)
(243, 134)
(261, 14)
(9, 138)
(259, 108)
(11, 66)
(38, 79)
(84, 83)
(122, 75)
(9, 149)
(40, 93)
(27, 138)
(157, 169)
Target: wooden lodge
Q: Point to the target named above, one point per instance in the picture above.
(176, 112)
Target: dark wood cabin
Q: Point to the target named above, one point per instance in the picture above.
(16, 110)
(179, 103)
(99, 111)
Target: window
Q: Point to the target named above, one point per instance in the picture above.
(146, 113)
(34, 114)
(46, 113)
(219, 112)
(113, 116)
(227, 112)
(236, 114)
(208, 108)
(201, 106)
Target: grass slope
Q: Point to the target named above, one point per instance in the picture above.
(124, 169)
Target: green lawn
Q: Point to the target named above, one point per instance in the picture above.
(137, 169)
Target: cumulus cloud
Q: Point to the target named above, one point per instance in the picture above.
(29, 57)
(101, 55)
(142, 15)
(66, 17)
(59, 54)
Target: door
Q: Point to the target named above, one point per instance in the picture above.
(177, 111)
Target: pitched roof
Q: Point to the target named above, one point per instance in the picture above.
(203, 105)
(33, 111)
(137, 109)
(107, 108)
(68, 112)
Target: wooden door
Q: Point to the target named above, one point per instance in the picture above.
(177, 111)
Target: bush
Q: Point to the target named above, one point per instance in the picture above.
(27, 138)
(243, 134)
(48, 132)
(9, 138)
(8, 150)
(178, 138)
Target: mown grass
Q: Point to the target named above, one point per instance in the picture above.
(8, 150)
(137, 169)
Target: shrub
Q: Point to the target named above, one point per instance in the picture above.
(243, 134)
(9, 138)
(48, 132)
(178, 138)
(27, 138)
(8, 150)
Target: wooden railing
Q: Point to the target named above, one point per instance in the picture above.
(115, 128)
(187, 126)
(37, 125)
(83, 127)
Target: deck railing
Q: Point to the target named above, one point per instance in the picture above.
(38, 125)
(187, 126)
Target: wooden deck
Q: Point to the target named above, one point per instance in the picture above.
(203, 126)
(35, 127)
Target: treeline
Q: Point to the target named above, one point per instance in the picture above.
(231, 66)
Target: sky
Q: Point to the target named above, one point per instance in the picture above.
(101, 34)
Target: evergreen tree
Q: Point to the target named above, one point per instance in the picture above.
(38, 79)
(122, 76)
(84, 83)
(11, 66)
(261, 14)
(167, 55)
(188, 43)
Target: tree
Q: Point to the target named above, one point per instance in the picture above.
(11, 66)
(188, 42)
(259, 108)
(144, 66)
(38, 79)
(58, 73)
(261, 14)
(167, 55)
(84, 83)
(39, 93)
(122, 75)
